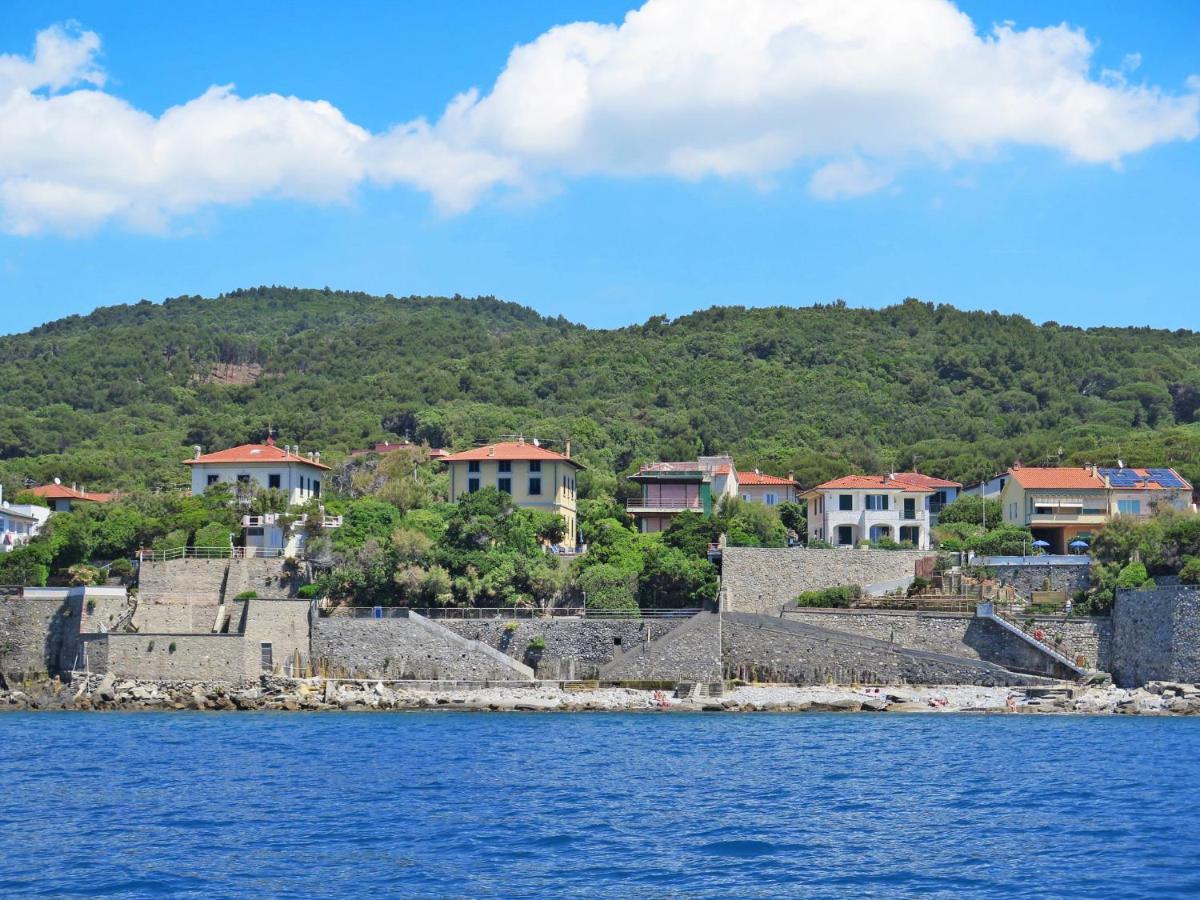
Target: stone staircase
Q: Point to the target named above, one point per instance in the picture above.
(520, 671)
(988, 611)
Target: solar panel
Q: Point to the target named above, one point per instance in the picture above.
(1166, 477)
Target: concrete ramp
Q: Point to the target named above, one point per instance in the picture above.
(769, 648)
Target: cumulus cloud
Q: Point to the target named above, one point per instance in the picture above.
(854, 93)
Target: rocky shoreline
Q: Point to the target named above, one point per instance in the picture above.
(97, 692)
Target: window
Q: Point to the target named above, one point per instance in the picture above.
(473, 466)
(472, 485)
(273, 481)
(1129, 507)
(771, 499)
(1095, 512)
(910, 508)
(1043, 510)
(505, 465)
(213, 479)
(268, 662)
(504, 485)
(243, 479)
(535, 465)
(316, 488)
(535, 485)
(877, 502)
(1012, 511)
(845, 534)
(846, 502)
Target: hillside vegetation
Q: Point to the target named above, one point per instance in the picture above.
(115, 399)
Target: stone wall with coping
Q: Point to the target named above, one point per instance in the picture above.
(184, 616)
(767, 648)
(764, 580)
(575, 648)
(177, 657)
(404, 649)
(213, 580)
(40, 633)
(1156, 636)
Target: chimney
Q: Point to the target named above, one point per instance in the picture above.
(270, 439)
(1095, 471)
(492, 450)
(791, 476)
(317, 456)
(196, 450)
(310, 456)
(568, 453)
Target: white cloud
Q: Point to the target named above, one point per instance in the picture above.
(856, 92)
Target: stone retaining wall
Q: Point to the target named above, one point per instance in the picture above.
(575, 648)
(206, 657)
(213, 580)
(1156, 636)
(1027, 579)
(763, 581)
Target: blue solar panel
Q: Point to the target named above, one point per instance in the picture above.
(1165, 477)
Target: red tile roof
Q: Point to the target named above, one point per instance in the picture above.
(921, 480)
(1063, 478)
(753, 478)
(510, 450)
(252, 454)
(1083, 478)
(872, 482)
(62, 492)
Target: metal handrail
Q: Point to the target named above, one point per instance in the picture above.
(12, 591)
(500, 612)
(211, 553)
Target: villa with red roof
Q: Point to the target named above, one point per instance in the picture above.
(61, 498)
(901, 507)
(1065, 504)
(772, 490)
(534, 476)
(269, 467)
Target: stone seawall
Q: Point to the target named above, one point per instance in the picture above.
(400, 648)
(1156, 636)
(766, 648)
(689, 652)
(42, 632)
(764, 581)
(174, 657)
(575, 648)
(961, 634)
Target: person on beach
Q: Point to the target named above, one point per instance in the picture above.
(1068, 607)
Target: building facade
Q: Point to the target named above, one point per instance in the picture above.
(267, 467)
(1065, 504)
(536, 478)
(19, 522)
(670, 489)
(900, 507)
(61, 498)
(770, 490)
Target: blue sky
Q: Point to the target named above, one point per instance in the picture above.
(1095, 224)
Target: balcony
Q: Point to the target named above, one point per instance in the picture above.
(1065, 518)
(270, 520)
(664, 505)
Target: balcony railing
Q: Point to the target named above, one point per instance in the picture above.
(642, 504)
(271, 519)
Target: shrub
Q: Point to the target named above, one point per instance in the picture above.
(820, 545)
(213, 535)
(835, 597)
(512, 626)
(608, 586)
(1190, 573)
(309, 592)
(120, 568)
(172, 540)
(918, 585)
(537, 642)
(247, 595)
(1132, 576)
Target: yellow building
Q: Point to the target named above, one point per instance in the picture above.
(535, 477)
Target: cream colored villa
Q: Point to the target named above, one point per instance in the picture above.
(536, 478)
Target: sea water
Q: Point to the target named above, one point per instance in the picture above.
(620, 805)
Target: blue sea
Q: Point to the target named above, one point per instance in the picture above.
(445, 804)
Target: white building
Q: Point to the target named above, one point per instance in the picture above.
(19, 522)
(299, 477)
(990, 489)
(901, 507)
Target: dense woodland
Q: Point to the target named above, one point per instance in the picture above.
(115, 399)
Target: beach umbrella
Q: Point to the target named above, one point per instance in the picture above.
(1042, 544)
(1079, 545)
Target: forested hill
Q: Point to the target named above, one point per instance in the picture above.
(116, 398)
